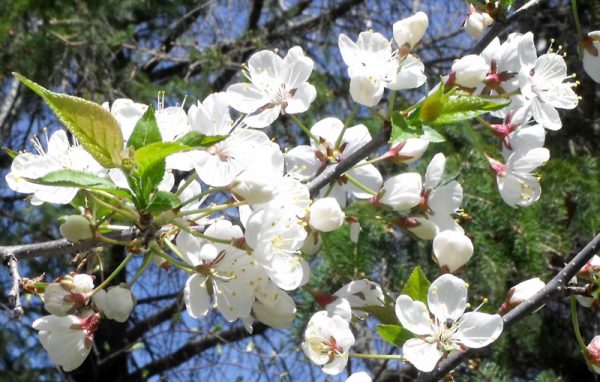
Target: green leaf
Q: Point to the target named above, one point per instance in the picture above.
(431, 135)
(417, 285)
(149, 155)
(79, 179)
(196, 139)
(146, 131)
(432, 106)
(163, 201)
(462, 107)
(11, 153)
(93, 126)
(394, 334)
(386, 314)
(402, 130)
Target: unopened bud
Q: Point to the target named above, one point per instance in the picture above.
(470, 71)
(452, 249)
(521, 292)
(410, 31)
(326, 215)
(593, 354)
(119, 303)
(477, 22)
(76, 228)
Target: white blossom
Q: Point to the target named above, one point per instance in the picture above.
(593, 354)
(591, 55)
(118, 303)
(325, 215)
(228, 272)
(276, 86)
(401, 192)
(60, 155)
(517, 184)
(76, 228)
(444, 327)
(544, 89)
(327, 341)
(477, 22)
(68, 340)
(470, 70)
(521, 292)
(255, 186)
(452, 250)
(308, 160)
(410, 31)
(373, 66)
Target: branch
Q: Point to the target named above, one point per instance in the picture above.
(500, 25)
(57, 247)
(334, 171)
(14, 301)
(557, 285)
(194, 347)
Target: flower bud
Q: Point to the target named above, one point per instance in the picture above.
(419, 226)
(410, 30)
(591, 267)
(326, 215)
(408, 151)
(76, 228)
(593, 354)
(254, 187)
(477, 22)
(62, 297)
(470, 70)
(119, 303)
(521, 292)
(452, 250)
(402, 192)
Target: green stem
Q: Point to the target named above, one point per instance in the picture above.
(359, 185)
(391, 104)
(188, 181)
(576, 17)
(107, 281)
(108, 240)
(347, 122)
(303, 127)
(211, 210)
(201, 195)
(171, 260)
(126, 213)
(145, 264)
(174, 249)
(576, 326)
(187, 229)
(376, 356)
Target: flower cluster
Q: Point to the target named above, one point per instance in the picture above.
(244, 223)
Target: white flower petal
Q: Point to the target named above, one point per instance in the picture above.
(195, 296)
(447, 298)
(413, 315)
(476, 330)
(424, 356)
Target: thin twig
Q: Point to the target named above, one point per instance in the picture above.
(14, 300)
